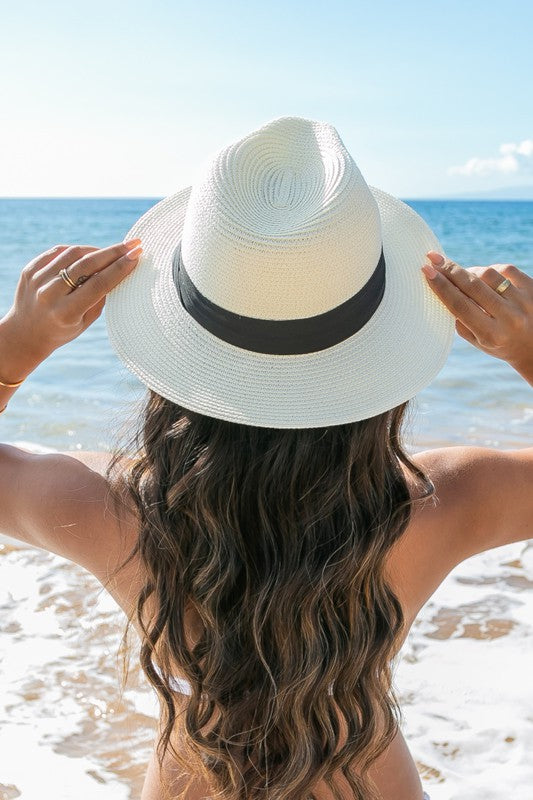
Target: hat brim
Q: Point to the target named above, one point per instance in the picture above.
(396, 354)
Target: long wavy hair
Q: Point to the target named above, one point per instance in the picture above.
(276, 541)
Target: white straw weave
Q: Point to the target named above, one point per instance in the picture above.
(282, 225)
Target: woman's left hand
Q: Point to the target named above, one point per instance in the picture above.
(47, 313)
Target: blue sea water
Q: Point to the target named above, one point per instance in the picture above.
(79, 396)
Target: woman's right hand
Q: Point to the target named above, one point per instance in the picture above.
(499, 324)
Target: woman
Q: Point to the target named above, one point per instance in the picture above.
(265, 531)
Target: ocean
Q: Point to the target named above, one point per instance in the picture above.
(464, 672)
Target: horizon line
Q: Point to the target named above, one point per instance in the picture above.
(162, 197)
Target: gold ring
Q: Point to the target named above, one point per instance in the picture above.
(503, 286)
(66, 277)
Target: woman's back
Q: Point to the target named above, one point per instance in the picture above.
(459, 520)
(414, 575)
(483, 499)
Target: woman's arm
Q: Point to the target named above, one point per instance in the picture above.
(497, 485)
(490, 492)
(53, 500)
(58, 503)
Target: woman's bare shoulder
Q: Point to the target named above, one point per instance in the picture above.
(483, 499)
(488, 491)
(61, 502)
(97, 460)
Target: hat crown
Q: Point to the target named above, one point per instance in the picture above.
(281, 223)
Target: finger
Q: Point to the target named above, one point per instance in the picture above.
(99, 284)
(80, 260)
(518, 278)
(43, 259)
(50, 267)
(479, 287)
(493, 278)
(460, 305)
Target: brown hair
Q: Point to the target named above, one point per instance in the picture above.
(277, 539)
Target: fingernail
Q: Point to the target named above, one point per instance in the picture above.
(135, 253)
(437, 258)
(429, 271)
(132, 243)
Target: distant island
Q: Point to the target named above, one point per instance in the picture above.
(504, 193)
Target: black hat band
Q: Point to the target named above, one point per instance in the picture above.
(284, 336)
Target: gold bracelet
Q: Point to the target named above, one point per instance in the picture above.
(12, 385)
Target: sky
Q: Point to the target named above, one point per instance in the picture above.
(113, 98)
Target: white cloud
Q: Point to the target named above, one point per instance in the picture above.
(512, 158)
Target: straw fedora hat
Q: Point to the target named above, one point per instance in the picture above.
(280, 290)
